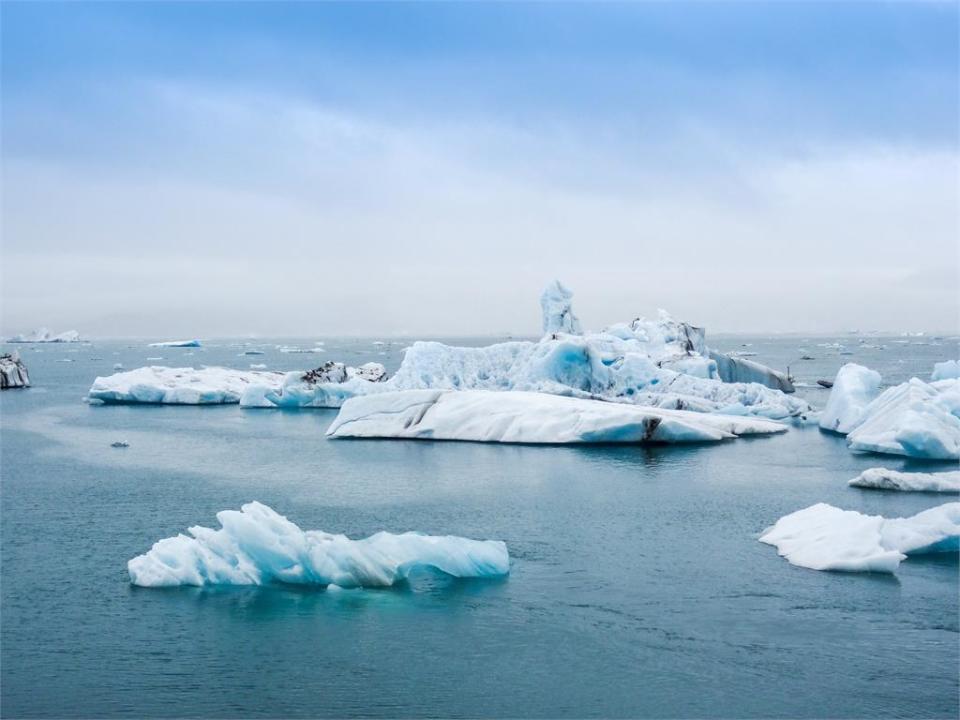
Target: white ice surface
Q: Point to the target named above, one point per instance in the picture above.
(884, 479)
(180, 386)
(823, 537)
(257, 546)
(527, 417)
(854, 388)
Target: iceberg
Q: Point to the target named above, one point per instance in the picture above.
(529, 417)
(823, 537)
(258, 546)
(557, 307)
(13, 373)
(853, 389)
(736, 369)
(884, 479)
(949, 370)
(176, 343)
(915, 419)
(179, 386)
(329, 385)
(43, 335)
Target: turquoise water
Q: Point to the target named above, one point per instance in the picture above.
(638, 588)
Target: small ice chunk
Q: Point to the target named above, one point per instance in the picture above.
(949, 370)
(884, 479)
(823, 537)
(176, 343)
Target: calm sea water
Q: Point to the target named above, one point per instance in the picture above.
(638, 587)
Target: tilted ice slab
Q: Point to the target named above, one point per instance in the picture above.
(527, 417)
(176, 343)
(915, 419)
(854, 388)
(883, 479)
(257, 546)
(179, 386)
(43, 335)
(823, 537)
(329, 385)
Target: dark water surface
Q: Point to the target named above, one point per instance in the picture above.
(638, 587)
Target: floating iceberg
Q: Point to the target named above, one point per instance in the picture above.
(527, 417)
(823, 537)
(854, 388)
(176, 343)
(257, 546)
(735, 369)
(915, 419)
(329, 385)
(883, 479)
(949, 370)
(13, 373)
(179, 386)
(45, 336)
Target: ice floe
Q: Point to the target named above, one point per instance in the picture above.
(884, 479)
(257, 546)
(823, 537)
(528, 417)
(13, 373)
(179, 386)
(176, 343)
(42, 335)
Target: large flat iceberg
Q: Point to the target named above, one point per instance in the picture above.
(527, 417)
(884, 479)
(257, 546)
(823, 537)
(179, 386)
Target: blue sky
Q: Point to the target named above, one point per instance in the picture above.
(427, 167)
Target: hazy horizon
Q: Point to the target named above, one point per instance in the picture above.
(213, 170)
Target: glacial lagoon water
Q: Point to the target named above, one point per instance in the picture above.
(637, 589)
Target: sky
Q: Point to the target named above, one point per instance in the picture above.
(303, 169)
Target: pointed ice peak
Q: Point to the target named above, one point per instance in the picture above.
(556, 303)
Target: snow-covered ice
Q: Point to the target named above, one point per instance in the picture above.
(528, 417)
(176, 343)
(823, 537)
(42, 335)
(13, 373)
(949, 370)
(884, 479)
(179, 386)
(257, 546)
(854, 388)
